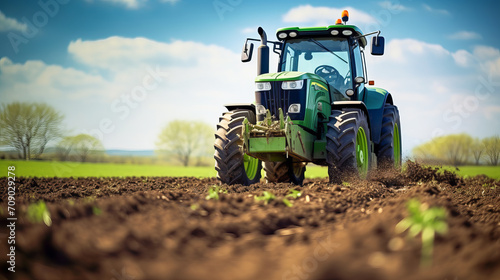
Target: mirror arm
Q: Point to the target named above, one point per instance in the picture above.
(368, 34)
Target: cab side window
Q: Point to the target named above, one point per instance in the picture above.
(358, 62)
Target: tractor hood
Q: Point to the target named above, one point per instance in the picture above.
(287, 76)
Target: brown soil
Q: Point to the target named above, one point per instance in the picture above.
(164, 228)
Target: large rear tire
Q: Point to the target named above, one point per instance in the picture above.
(285, 172)
(348, 145)
(232, 165)
(388, 151)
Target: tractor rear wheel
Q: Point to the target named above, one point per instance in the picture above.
(388, 151)
(348, 145)
(232, 165)
(285, 172)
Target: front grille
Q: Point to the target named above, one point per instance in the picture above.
(278, 98)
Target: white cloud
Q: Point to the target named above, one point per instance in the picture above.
(436, 11)
(400, 50)
(433, 94)
(11, 24)
(195, 81)
(323, 16)
(463, 58)
(249, 30)
(393, 7)
(465, 35)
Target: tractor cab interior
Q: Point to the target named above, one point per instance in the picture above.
(325, 57)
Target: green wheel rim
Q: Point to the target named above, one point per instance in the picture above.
(251, 165)
(397, 146)
(297, 169)
(362, 152)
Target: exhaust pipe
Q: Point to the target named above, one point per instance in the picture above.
(263, 52)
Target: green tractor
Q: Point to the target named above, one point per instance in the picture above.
(316, 108)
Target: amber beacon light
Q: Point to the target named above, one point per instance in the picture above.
(345, 16)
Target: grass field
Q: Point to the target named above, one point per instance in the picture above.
(77, 169)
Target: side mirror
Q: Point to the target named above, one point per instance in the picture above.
(246, 54)
(378, 45)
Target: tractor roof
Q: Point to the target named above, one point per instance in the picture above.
(323, 31)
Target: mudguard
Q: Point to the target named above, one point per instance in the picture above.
(375, 100)
(247, 106)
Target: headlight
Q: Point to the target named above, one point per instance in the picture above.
(347, 32)
(291, 85)
(262, 86)
(261, 110)
(294, 108)
(282, 35)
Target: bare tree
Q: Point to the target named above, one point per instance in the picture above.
(492, 149)
(477, 149)
(185, 139)
(80, 146)
(29, 127)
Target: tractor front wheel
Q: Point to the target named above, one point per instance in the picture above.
(388, 151)
(285, 172)
(232, 165)
(348, 145)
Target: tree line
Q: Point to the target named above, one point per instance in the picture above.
(459, 149)
(29, 128)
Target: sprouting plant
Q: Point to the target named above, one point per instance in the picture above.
(346, 184)
(214, 191)
(426, 221)
(287, 202)
(96, 210)
(294, 193)
(38, 212)
(194, 206)
(266, 197)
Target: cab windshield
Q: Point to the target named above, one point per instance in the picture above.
(326, 57)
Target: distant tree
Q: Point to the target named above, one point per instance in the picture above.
(477, 150)
(80, 146)
(185, 139)
(64, 147)
(492, 149)
(29, 127)
(453, 149)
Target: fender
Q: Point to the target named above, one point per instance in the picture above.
(246, 106)
(339, 105)
(375, 100)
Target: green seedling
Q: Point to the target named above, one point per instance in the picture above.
(266, 197)
(38, 212)
(96, 210)
(194, 206)
(287, 202)
(214, 191)
(428, 222)
(294, 194)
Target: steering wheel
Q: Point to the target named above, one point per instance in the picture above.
(329, 73)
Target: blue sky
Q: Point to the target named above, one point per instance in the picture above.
(121, 69)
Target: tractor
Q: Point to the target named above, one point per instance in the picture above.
(317, 108)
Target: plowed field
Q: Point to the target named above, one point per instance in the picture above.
(165, 228)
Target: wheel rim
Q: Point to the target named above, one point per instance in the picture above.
(397, 146)
(362, 152)
(251, 166)
(297, 169)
